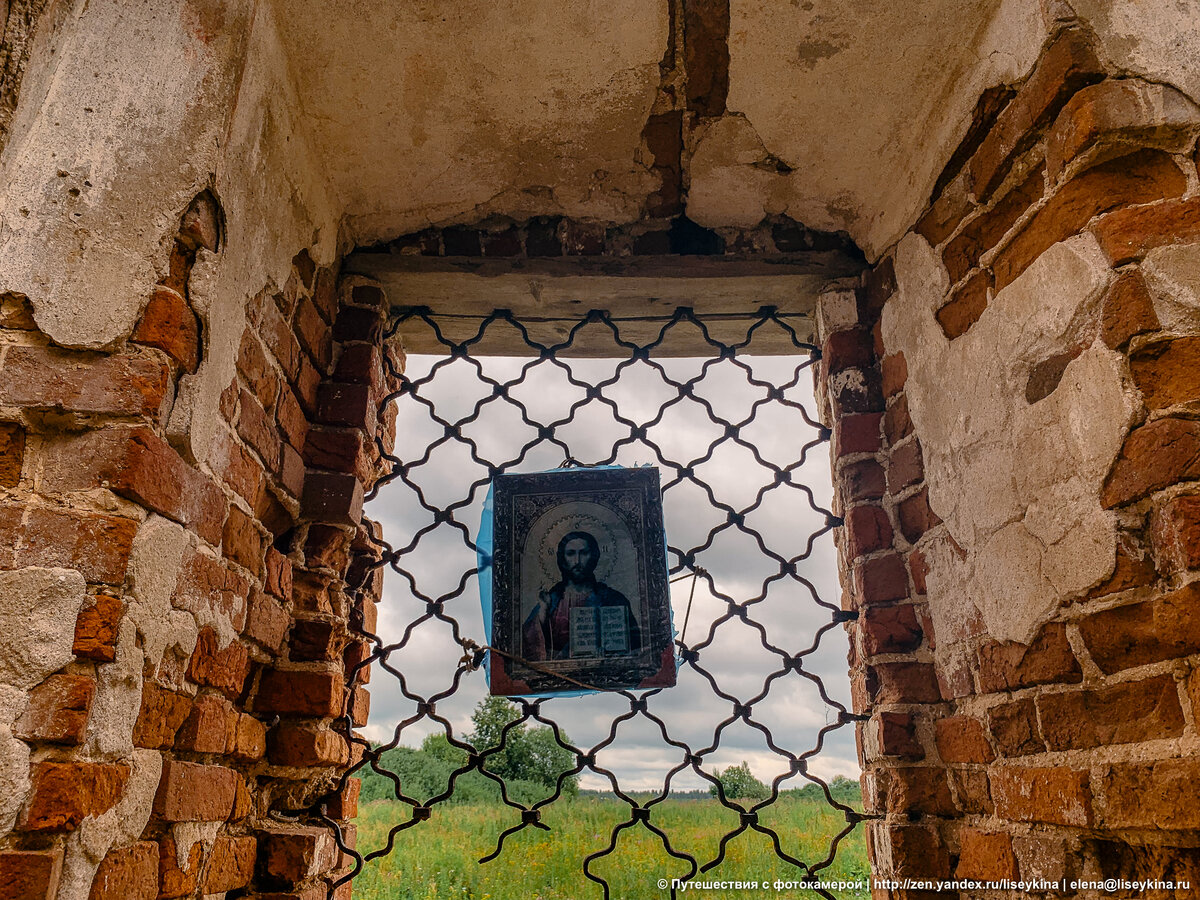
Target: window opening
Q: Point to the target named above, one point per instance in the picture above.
(739, 453)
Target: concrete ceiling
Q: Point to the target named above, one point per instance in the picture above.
(838, 113)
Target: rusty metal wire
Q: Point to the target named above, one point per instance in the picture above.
(683, 564)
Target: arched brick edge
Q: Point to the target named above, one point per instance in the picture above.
(175, 630)
(1072, 756)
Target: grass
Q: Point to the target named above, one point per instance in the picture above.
(438, 859)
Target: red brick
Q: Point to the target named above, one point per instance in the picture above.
(207, 727)
(881, 580)
(1129, 234)
(1048, 659)
(856, 391)
(354, 654)
(862, 480)
(277, 334)
(897, 736)
(867, 530)
(343, 804)
(292, 422)
(304, 267)
(1119, 112)
(291, 745)
(1167, 372)
(162, 714)
(916, 851)
(250, 738)
(58, 710)
(341, 450)
(984, 232)
(356, 323)
(1127, 310)
(1122, 714)
(966, 304)
(12, 453)
(307, 383)
(177, 878)
(97, 545)
(850, 349)
(1155, 455)
(96, 628)
(230, 864)
(257, 429)
(313, 640)
(1155, 630)
(169, 324)
(961, 739)
(16, 312)
(985, 856)
(205, 586)
(1064, 67)
(894, 373)
(242, 542)
(857, 434)
(915, 515)
(889, 629)
(1058, 796)
(360, 706)
(292, 471)
(1138, 178)
(919, 790)
(279, 575)
(332, 498)
(222, 668)
(266, 622)
(1160, 795)
(256, 370)
(324, 295)
(235, 466)
(905, 467)
(905, 682)
(121, 385)
(327, 547)
(30, 874)
(971, 791)
(64, 794)
(1133, 568)
(348, 405)
(289, 855)
(879, 283)
(191, 792)
(128, 873)
(945, 213)
(272, 514)
(314, 335)
(136, 463)
(919, 568)
(1014, 728)
(1176, 529)
(302, 693)
(359, 363)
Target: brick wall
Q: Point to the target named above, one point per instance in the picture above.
(1071, 753)
(176, 629)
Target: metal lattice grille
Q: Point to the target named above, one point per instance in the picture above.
(773, 434)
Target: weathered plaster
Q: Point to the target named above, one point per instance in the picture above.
(865, 108)
(276, 202)
(1016, 483)
(1173, 277)
(37, 623)
(125, 131)
(430, 112)
(1156, 39)
(121, 826)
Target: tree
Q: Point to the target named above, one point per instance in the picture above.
(529, 754)
(739, 783)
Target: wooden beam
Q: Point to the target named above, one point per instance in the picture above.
(551, 296)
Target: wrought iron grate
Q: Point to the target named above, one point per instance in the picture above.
(536, 437)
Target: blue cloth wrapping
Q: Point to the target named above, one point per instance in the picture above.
(485, 542)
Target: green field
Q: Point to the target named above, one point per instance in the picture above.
(438, 858)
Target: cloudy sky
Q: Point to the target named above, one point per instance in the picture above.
(793, 711)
